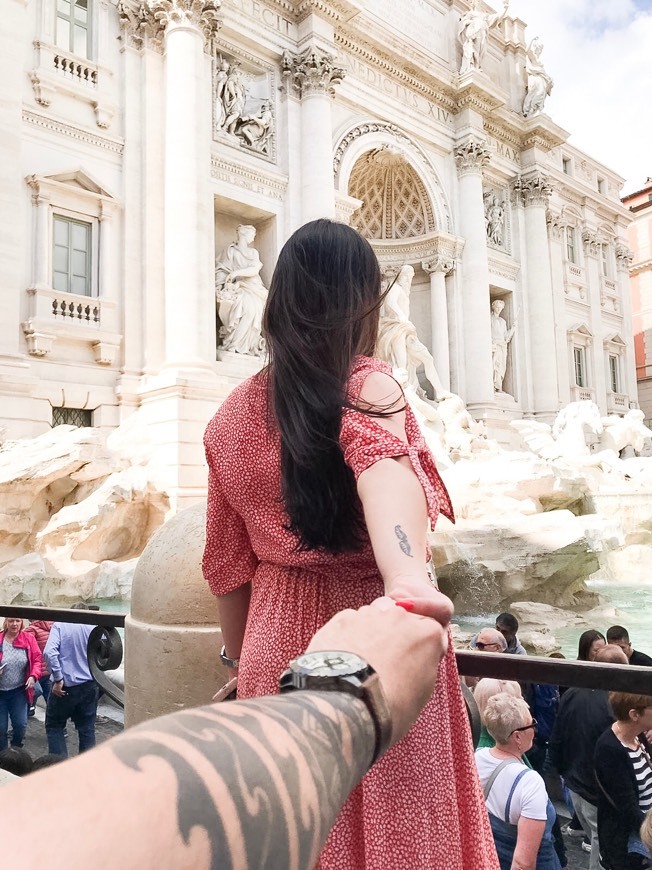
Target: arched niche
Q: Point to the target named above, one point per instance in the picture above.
(378, 138)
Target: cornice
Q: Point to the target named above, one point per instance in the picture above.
(71, 132)
(255, 179)
(437, 90)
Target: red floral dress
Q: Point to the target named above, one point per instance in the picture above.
(420, 806)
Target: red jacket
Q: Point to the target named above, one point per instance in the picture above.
(40, 629)
(23, 640)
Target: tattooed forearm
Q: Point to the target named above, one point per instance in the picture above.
(272, 777)
(403, 541)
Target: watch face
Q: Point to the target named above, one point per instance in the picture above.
(329, 664)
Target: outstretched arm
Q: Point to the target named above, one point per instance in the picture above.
(246, 784)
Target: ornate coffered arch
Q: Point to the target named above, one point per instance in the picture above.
(374, 136)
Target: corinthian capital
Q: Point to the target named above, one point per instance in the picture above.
(531, 189)
(311, 72)
(143, 19)
(438, 263)
(471, 155)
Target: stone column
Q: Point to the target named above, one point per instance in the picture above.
(624, 259)
(188, 27)
(438, 267)
(42, 246)
(532, 192)
(312, 75)
(470, 156)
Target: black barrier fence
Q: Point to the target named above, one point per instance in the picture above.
(105, 654)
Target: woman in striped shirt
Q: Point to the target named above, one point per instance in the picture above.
(623, 769)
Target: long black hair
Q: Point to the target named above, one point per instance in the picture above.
(585, 643)
(322, 310)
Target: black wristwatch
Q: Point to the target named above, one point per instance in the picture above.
(338, 671)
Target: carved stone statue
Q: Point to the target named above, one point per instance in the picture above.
(234, 95)
(256, 130)
(473, 31)
(241, 295)
(539, 83)
(501, 336)
(221, 77)
(494, 216)
(398, 342)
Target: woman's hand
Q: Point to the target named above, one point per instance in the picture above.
(423, 596)
(404, 650)
(31, 682)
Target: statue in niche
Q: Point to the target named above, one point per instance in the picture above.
(398, 342)
(221, 77)
(241, 295)
(256, 130)
(494, 217)
(539, 83)
(501, 336)
(473, 31)
(234, 94)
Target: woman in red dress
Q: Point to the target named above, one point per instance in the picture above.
(320, 492)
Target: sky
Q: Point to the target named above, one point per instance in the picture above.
(599, 53)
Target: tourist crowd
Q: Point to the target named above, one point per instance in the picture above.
(596, 741)
(49, 660)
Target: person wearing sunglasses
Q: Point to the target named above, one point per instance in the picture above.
(520, 811)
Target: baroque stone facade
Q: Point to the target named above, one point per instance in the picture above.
(136, 140)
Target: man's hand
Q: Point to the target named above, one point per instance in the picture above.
(57, 688)
(404, 649)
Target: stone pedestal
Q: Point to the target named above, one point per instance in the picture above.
(172, 636)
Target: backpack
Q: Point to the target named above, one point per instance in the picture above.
(544, 706)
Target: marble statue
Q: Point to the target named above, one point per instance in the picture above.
(539, 83)
(473, 30)
(398, 342)
(256, 130)
(221, 77)
(241, 295)
(494, 216)
(234, 95)
(630, 431)
(501, 336)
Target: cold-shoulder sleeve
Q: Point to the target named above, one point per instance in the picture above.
(229, 560)
(365, 442)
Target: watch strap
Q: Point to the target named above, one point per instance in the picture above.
(226, 661)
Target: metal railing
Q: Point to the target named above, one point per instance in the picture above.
(105, 654)
(104, 650)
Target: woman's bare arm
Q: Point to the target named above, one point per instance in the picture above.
(530, 834)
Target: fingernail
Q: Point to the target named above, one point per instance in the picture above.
(406, 605)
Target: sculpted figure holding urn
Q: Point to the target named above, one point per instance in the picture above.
(398, 342)
(241, 295)
(501, 336)
(539, 83)
(256, 130)
(473, 31)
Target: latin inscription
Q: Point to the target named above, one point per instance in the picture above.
(269, 17)
(397, 91)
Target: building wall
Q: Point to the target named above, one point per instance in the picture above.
(126, 139)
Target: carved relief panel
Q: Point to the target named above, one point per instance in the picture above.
(244, 110)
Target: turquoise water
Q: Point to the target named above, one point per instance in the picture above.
(111, 605)
(634, 611)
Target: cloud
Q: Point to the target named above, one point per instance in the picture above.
(597, 52)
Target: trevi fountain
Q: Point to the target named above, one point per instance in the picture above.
(557, 527)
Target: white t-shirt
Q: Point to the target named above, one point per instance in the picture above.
(530, 798)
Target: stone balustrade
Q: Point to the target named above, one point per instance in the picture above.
(617, 403)
(583, 394)
(77, 70)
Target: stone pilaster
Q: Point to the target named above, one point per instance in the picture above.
(312, 76)
(532, 192)
(438, 267)
(471, 155)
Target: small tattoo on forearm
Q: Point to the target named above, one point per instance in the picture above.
(403, 542)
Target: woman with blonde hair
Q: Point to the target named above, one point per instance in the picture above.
(520, 812)
(485, 689)
(20, 668)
